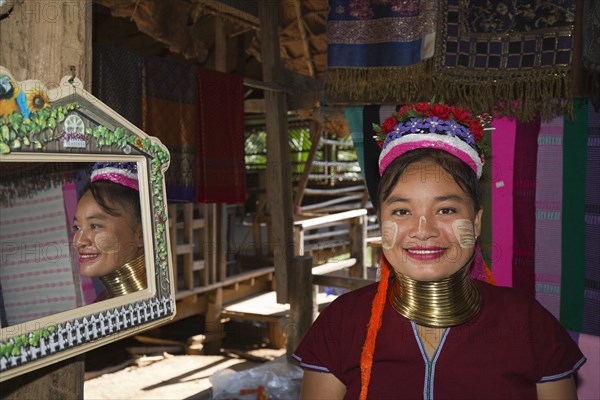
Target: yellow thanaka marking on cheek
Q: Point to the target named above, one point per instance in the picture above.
(422, 221)
(464, 232)
(106, 242)
(389, 232)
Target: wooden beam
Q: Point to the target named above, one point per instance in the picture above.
(279, 187)
(303, 303)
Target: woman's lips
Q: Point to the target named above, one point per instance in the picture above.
(425, 253)
(87, 257)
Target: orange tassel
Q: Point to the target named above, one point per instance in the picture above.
(489, 277)
(366, 357)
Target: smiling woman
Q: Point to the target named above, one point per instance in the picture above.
(437, 327)
(107, 228)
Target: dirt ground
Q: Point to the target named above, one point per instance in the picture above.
(172, 377)
(130, 369)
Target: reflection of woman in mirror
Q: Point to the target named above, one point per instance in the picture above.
(108, 229)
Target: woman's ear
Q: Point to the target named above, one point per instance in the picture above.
(477, 223)
(139, 237)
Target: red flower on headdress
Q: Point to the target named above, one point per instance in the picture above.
(422, 107)
(461, 115)
(442, 111)
(476, 129)
(389, 124)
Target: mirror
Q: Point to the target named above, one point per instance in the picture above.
(83, 225)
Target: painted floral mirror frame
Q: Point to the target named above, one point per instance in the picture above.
(50, 127)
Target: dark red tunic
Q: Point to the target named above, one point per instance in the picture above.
(512, 344)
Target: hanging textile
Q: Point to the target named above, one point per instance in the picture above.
(591, 48)
(221, 170)
(573, 218)
(116, 80)
(548, 208)
(360, 122)
(491, 53)
(35, 269)
(591, 302)
(524, 206)
(503, 153)
(376, 50)
(168, 113)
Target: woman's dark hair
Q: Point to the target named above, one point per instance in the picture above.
(463, 175)
(107, 193)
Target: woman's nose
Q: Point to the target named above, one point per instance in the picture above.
(422, 229)
(81, 238)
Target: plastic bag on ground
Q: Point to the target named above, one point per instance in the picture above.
(272, 380)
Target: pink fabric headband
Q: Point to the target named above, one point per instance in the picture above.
(122, 173)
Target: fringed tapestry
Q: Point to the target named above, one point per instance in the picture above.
(591, 48)
(511, 56)
(376, 50)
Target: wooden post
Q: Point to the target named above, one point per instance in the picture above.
(217, 229)
(358, 246)
(42, 40)
(279, 183)
(303, 303)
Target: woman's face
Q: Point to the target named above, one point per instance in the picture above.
(104, 242)
(428, 223)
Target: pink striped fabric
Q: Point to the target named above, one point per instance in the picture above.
(503, 155)
(35, 267)
(548, 205)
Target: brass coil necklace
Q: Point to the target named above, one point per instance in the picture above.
(129, 278)
(448, 302)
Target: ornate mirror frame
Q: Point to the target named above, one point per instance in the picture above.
(66, 124)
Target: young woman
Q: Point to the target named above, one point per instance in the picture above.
(436, 328)
(108, 229)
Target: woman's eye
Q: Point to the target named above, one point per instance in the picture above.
(94, 226)
(401, 212)
(76, 228)
(447, 211)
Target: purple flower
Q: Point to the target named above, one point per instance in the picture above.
(454, 128)
(434, 124)
(415, 125)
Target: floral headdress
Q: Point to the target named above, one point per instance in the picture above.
(439, 126)
(122, 173)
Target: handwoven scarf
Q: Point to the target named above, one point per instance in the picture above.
(169, 113)
(591, 295)
(376, 49)
(489, 54)
(573, 218)
(221, 172)
(503, 154)
(548, 208)
(524, 206)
